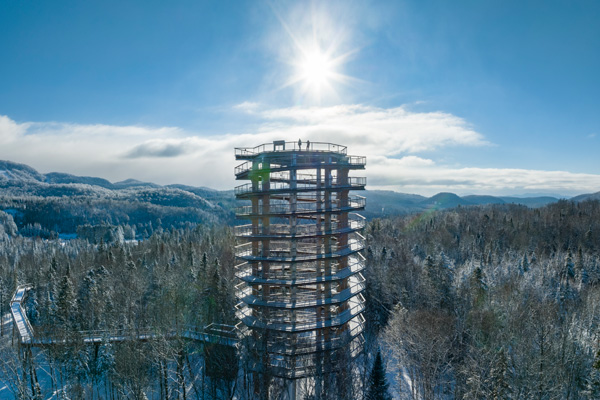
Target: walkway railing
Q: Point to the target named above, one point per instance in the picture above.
(20, 320)
(356, 307)
(281, 251)
(304, 184)
(355, 203)
(280, 145)
(305, 298)
(277, 163)
(355, 222)
(213, 333)
(280, 275)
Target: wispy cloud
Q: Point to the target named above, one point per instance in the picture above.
(163, 148)
(414, 174)
(247, 106)
(393, 139)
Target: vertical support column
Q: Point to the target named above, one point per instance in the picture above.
(293, 221)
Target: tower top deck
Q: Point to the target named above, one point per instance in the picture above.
(281, 146)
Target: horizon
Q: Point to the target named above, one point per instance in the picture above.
(483, 99)
(558, 196)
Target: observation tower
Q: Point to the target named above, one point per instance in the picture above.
(300, 290)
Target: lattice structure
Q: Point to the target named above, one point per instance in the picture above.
(301, 282)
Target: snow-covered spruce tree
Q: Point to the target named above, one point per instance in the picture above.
(592, 390)
(66, 306)
(378, 386)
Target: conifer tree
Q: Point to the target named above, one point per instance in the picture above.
(499, 377)
(65, 303)
(378, 386)
(592, 390)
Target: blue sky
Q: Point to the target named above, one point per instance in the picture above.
(484, 97)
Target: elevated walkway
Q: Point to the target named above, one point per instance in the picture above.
(226, 335)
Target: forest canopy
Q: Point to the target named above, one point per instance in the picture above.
(496, 301)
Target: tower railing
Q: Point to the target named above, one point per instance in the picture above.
(355, 222)
(279, 146)
(283, 275)
(354, 183)
(302, 160)
(355, 203)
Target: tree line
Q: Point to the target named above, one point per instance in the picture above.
(498, 302)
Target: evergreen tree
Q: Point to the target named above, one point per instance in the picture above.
(592, 390)
(478, 286)
(499, 377)
(65, 303)
(378, 386)
(525, 263)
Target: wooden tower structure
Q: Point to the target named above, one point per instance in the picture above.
(300, 291)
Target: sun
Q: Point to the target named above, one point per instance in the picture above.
(316, 70)
(316, 73)
(316, 49)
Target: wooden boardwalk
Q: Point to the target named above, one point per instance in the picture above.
(214, 333)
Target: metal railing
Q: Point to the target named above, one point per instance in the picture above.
(354, 203)
(20, 320)
(355, 222)
(303, 298)
(282, 251)
(357, 306)
(285, 344)
(213, 333)
(285, 275)
(305, 160)
(306, 184)
(280, 145)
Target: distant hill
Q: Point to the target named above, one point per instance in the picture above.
(532, 202)
(20, 172)
(445, 200)
(385, 202)
(479, 199)
(133, 183)
(53, 204)
(382, 203)
(59, 177)
(584, 197)
(61, 202)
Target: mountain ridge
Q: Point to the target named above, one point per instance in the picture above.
(21, 180)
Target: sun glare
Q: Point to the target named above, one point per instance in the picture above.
(316, 70)
(320, 51)
(316, 73)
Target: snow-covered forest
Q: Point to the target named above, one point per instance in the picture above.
(497, 301)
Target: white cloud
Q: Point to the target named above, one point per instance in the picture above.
(10, 130)
(415, 175)
(247, 106)
(392, 139)
(378, 131)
